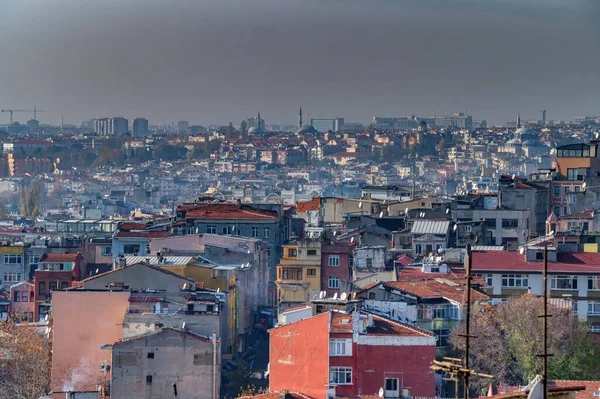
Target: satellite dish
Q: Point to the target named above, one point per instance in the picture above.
(522, 250)
(46, 318)
(233, 228)
(381, 392)
(513, 176)
(381, 214)
(447, 211)
(335, 296)
(455, 227)
(218, 289)
(334, 233)
(343, 296)
(583, 185)
(197, 230)
(183, 326)
(360, 205)
(322, 294)
(97, 271)
(406, 211)
(352, 239)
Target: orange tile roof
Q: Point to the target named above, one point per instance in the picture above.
(228, 211)
(132, 226)
(143, 234)
(312, 205)
(275, 395)
(435, 289)
(341, 323)
(588, 393)
(384, 326)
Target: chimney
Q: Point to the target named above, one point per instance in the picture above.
(122, 262)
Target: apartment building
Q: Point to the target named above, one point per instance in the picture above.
(298, 273)
(574, 277)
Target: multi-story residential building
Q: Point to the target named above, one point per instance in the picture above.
(12, 265)
(298, 273)
(22, 301)
(55, 272)
(140, 127)
(138, 365)
(520, 194)
(429, 236)
(336, 267)
(266, 222)
(571, 276)
(347, 354)
(183, 126)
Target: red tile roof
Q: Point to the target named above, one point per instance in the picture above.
(59, 257)
(589, 214)
(574, 262)
(587, 393)
(312, 205)
(454, 290)
(228, 211)
(341, 323)
(275, 395)
(385, 326)
(127, 226)
(404, 260)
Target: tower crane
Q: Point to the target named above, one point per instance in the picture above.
(34, 110)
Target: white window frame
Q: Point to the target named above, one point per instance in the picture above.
(13, 259)
(336, 372)
(266, 232)
(595, 280)
(336, 282)
(103, 251)
(522, 278)
(340, 347)
(489, 279)
(554, 280)
(211, 229)
(595, 329)
(468, 228)
(16, 277)
(593, 308)
(254, 232)
(333, 261)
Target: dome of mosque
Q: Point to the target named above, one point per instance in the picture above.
(306, 129)
(256, 130)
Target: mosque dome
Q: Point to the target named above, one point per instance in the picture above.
(306, 129)
(256, 130)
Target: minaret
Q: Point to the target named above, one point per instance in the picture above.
(259, 120)
(518, 120)
(300, 118)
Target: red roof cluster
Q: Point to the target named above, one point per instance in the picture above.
(312, 205)
(573, 262)
(59, 257)
(143, 234)
(452, 290)
(227, 211)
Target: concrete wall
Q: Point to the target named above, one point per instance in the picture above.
(140, 324)
(299, 359)
(138, 276)
(83, 322)
(178, 358)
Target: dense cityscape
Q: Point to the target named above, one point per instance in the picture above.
(299, 199)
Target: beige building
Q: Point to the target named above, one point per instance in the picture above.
(299, 273)
(164, 364)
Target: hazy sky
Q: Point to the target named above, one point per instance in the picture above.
(215, 61)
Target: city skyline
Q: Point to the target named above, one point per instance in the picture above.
(354, 60)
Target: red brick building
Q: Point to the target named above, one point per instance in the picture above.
(349, 354)
(336, 273)
(55, 272)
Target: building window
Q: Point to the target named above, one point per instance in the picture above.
(595, 329)
(468, 228)
(334, 260)
(106, 251)
(515, 281)
(557, 191)
(564, 283)
(13, 259)
(369, 263)
(24, 296)
(148, 379)
(226, 230)
(371, 295)
(340, 347)
(443, 336)
(254, 232)
(333, 282)
(594, 283)
(557, 210)
(12, 277)
(42, 288)
(488, 279)
(311, 252)
(266, 232)
(571, 174)
(64, 285)
(340, 375)
(211, 229)
(594, 308)
(53, 285)
(510, 223)
(17, 296)
(291, 273)
(391, 384)
(292, 253)
(575, 308)
(131, 249)
(311, 272)
(490, 223)
(33, 261)
(150, 355)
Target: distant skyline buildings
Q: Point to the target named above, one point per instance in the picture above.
(140, 127)
(111, 126)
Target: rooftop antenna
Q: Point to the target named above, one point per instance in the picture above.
(545, 316)
(335, 296)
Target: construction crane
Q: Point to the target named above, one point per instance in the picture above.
(34, 110)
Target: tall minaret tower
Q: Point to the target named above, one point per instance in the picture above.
(259, 120)
(300, 119)
(518, 120)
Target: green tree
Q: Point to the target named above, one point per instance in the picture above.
(244, 129)
(32, 200)
(509, 340)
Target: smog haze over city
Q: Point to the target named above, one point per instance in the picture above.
(213, 61)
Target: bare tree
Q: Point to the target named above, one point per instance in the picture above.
(24, 362)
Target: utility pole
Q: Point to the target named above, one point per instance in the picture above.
(468, 321)
(545, 317)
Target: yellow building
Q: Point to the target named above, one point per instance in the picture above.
(299, 273)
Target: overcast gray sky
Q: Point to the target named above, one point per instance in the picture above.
(215, 61)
